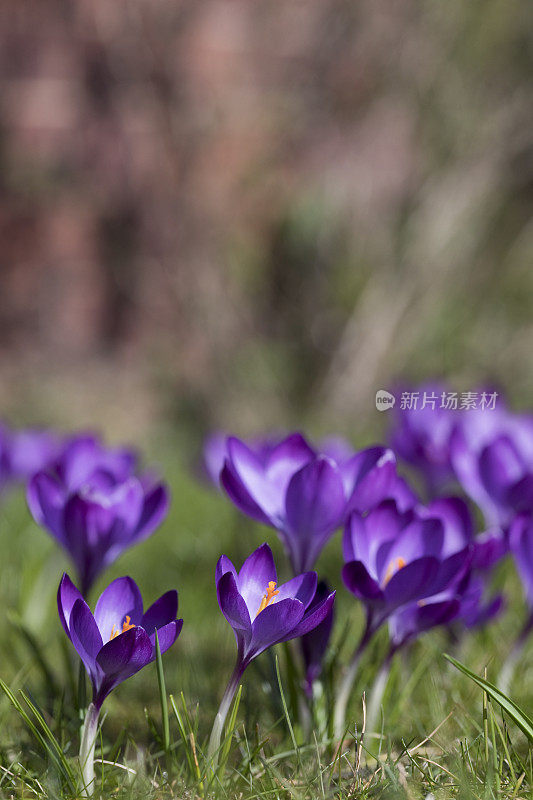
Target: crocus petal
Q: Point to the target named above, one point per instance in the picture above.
(412, 620)
(360, 583)
(500, 466)
(250, 483)
(224, 565)
(314, 505)
(167, 635)
(232, 604)
(457, 521)
(373, 478)
(254, 576)
(120, 599)
(154, 510)
(46, 498)
(122, 657)
(67, 594)
(452, 569)
(239, 494)
(421, 538)
(412, 582)
(302, 588)
(354, 538)
(160, 613)
(286, 458)
(521, 546)
(214, 455)
(85, 636)
(83, 525)
(519, 496)
(314, 617)
(488, 548)
(273, 624)
(314, 643)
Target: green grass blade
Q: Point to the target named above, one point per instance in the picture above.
(43, 734)
(162, 695)
(509, 706)
(286, 712)
(230, 728)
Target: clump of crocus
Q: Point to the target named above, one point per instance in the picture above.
(262, 614)
(114, 643)
(492, 455)
(304, 494)
(95, 504)
(396, 558)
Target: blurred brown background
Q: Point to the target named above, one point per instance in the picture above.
(255, 214)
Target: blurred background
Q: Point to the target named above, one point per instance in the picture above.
(253, 215)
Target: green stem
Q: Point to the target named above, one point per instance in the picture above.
(87, 745)
(506, 675)
(345, 690)
(376, 695)
(222, 713)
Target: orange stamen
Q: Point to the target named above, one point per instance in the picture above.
(395, 565)
(126, 626)
(269, 595)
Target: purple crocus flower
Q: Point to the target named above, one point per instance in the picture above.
(492, 455)
(394, 558)
(96, 505)
(303, 494)
(119, 638)
(262, 614)
(315, 643)
(114, 643)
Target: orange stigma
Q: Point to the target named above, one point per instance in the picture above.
(395, 565)
(269, 595)
(126, 626)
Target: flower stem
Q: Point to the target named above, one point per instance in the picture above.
(509, 665)
(343, 695)
(222, 713)
(376, 695)
(87, 745)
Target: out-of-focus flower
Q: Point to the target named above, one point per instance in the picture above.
(394, 558)
(262, 614)
(114, 643)
(315, 643)
(305, 495)
(26, 451)
(96, 505)
(492, 455)
(421, 436)
(476, 609)
(409, 622)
